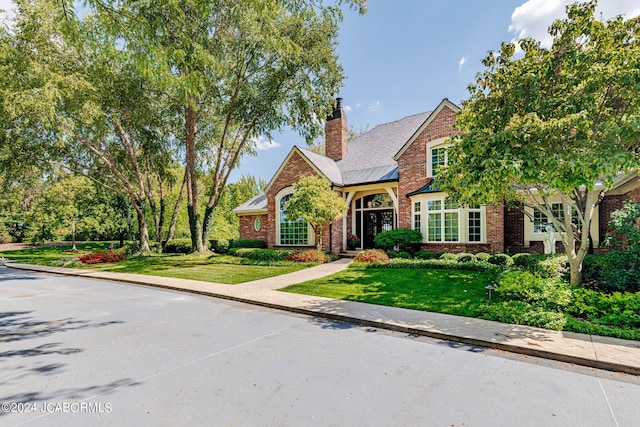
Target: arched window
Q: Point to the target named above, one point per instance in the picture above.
(291, 232)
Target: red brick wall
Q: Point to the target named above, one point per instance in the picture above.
(514, 230)
(412, 166)
(247, 230)
(336, 137)
(291, 173)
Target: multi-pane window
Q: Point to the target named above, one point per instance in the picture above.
(540, 220)
(443, 221)
(475, 223)
(292, 232)
(438, 159)
(416, 216)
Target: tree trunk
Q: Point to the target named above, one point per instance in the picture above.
(73, 235)
(575, 268)
(176, 209)
(206, 224)
(192, 183)
(143, 230)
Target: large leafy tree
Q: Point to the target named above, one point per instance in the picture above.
(72, 98)
(315, 201)
(562, 121)
(233, 70)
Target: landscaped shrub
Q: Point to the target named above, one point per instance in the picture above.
(500, 259)
(551, 266)
(402, 238)
(483, 256)
(248, 243)
(550, 293)
(439, 264)
(263, 254)
(522, 313)
(620, 270)
(394, 254)
(526, 261)
(448, 257)
(463, 257)
(220, 246)
(618, 309)
(100, 257)
(309, 255)
(177, 246)
(5, 237)
(372, 255)
(425, 255)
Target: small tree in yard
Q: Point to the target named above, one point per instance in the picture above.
(314, 201)
(559, 122)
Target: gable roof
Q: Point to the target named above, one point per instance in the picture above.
(445, 103)
(256, 205)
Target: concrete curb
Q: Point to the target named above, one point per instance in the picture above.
(262, 299)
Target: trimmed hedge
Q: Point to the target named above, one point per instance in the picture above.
(434, 263)
(256, 254)
(177, 246)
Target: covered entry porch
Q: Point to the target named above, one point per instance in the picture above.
(372, 210)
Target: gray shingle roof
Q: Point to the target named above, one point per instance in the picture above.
(378, 146)
(258, 203)
(326, 165)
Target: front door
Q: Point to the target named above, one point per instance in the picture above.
(375, 222)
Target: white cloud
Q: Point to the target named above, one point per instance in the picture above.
(347, 108)
(263, 144)
(375, 106)
(462, 61)
(533, 17)
(8, 7)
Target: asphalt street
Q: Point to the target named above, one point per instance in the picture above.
(78, 352)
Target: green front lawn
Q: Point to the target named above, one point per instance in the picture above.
(463, 293)
(209, 268)
(456, 292)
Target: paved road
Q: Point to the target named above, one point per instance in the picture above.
(86, 352)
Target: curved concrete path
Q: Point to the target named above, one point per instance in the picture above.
(588, 350)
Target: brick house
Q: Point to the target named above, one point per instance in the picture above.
(386, 176)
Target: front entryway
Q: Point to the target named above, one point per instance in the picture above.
(375, 222)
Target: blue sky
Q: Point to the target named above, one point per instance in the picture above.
(405, 56)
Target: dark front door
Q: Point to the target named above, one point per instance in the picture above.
(375, 222)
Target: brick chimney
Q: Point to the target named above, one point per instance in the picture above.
(335, 130)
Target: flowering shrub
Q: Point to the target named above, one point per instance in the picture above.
(100, 257)
(353, 241)
(311, 255)
(372, 255)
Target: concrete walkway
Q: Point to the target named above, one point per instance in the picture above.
(588, 350)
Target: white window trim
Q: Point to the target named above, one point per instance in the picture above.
(463, 219)
(311, 237)
(435, 144)
(531, 236)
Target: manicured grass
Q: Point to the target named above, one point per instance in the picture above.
(209, 268)
(456, 292)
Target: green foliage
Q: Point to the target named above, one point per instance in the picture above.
(425, 255)
(403, 254)
(500, 259)
(548, 293)
(178, 246)
(401, 263)
(463, 257)
(5, 237)
(617, 309)
(524, 260)
(619, 270)
(448, 257)
(483, 256)
(554, 122)
(626, 222)
(221, 245)
(314, 201)
(372, 256)
(248, 243)
(522, 313)
(402, 238)
(256, 254)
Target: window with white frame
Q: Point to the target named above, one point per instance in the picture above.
(541, 221)
(291, 232)
(442, 220)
